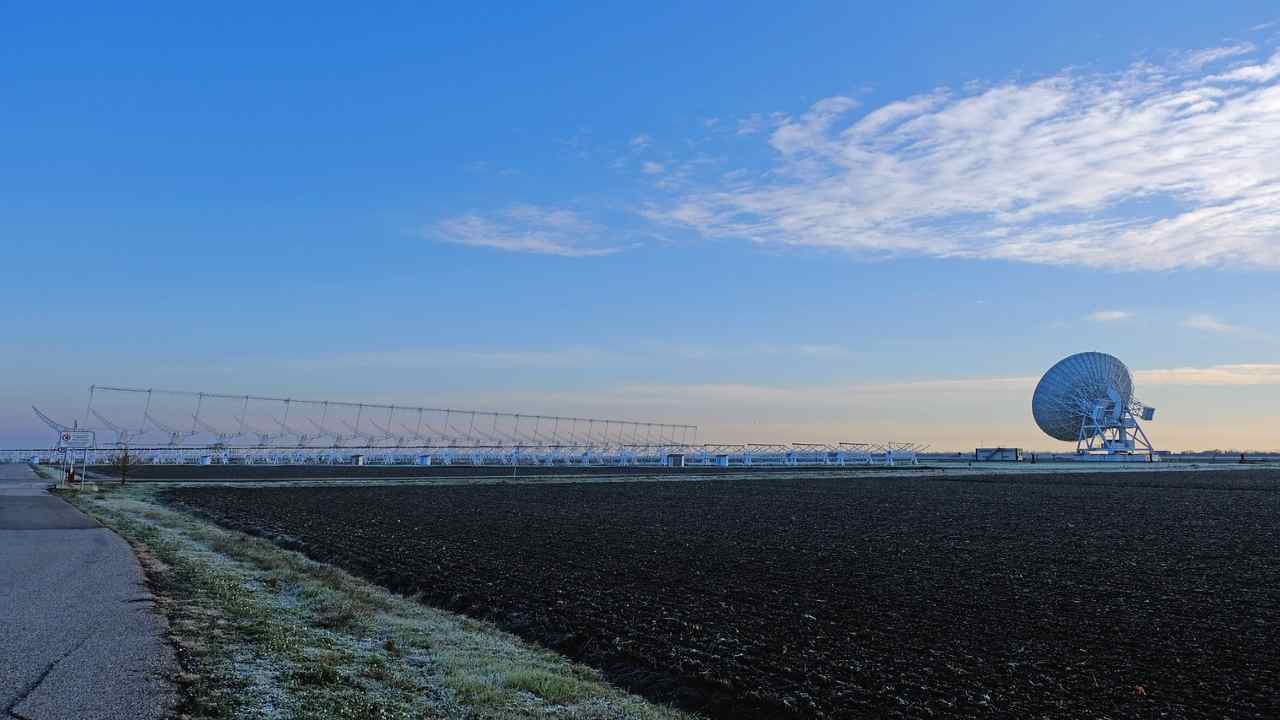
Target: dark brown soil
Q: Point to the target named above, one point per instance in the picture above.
(1142, 595)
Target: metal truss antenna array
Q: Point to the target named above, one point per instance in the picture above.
(334, 423)
(179, 427)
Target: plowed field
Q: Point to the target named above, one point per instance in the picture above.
(1142, 595)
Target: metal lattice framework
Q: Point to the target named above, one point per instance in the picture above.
(183, 427)
(707, 455)
(256, 420)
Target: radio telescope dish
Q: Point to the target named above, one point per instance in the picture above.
(1088, 398)
(1066, 393)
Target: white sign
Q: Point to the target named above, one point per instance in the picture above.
(76, 439)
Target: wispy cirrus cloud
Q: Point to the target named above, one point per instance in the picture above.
(567, 357)
(1107, 316)
(726, 397)
(913, 391)
(581, 356)
(1260, 73)
(1215, 376)
(1160, 166)
(752, 124)
(527, 229)
(641, 354)
(1200, 58)
(1210, 323)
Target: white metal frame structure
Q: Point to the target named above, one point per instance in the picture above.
(368, 425)
(1111, 427)
(711, 455)
(261, 430)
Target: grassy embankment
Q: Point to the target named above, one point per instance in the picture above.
(264, 632)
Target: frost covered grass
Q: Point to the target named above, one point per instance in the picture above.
(264, 632)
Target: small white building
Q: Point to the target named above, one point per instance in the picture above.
(998, 454)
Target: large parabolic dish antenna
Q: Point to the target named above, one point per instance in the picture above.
(1067, 392)
(1088, 398)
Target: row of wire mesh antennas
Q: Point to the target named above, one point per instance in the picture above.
(146, 418)
(181, 427)
(838, 454)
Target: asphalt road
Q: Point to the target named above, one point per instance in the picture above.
(79, 637)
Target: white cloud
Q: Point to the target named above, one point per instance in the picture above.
(910, 393)
(801, 351)
(1252, 73)
(1216, 376)
(527, 228)
(1156, 167)
(1205, 321)
(1199, 59)
(640, 354)
(756, 123)
(651, 168)
(641, 141)
(752, 124)
(919, 390)
(568, 357)
(719, 394)
(809, 131)
(1110, 315)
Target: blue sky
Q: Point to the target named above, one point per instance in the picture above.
(831, 221)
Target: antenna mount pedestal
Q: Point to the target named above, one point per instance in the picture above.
(1110, 430)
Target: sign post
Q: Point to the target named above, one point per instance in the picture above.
(76, 440)
(70, 441)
